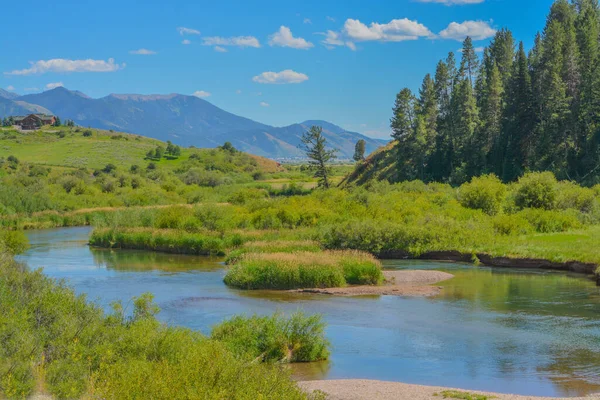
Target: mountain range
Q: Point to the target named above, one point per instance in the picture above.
(185, 120)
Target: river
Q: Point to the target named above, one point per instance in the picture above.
(505, 330)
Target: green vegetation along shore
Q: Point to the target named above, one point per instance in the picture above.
(537, 217)
(58, 343)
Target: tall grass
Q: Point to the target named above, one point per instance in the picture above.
(298, 338)
(165, 240)
(304, 270)
(273, 246)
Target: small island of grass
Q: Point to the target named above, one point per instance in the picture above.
(284, 271)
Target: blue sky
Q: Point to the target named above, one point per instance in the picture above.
(277, 62)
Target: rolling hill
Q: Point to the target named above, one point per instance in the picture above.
(185, 120)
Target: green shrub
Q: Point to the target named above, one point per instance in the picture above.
(573, 196)
(510, 225)
(245, 195)
(536, 190)
(547, 221)
(299, 338)
(485, 193)
(13, 242)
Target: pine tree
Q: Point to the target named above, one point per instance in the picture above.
(501, 52)
(469, 63)
(315, 146)
(518, 122)
(490, 95)
(403, 129)
(359, 150)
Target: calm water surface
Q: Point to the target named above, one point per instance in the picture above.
(503, 330)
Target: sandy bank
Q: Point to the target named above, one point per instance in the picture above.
(397, 283)
(358, 389)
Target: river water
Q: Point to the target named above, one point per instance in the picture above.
(502, 330)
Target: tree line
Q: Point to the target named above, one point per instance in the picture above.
(509, 111)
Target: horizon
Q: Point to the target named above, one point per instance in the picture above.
(276, 63)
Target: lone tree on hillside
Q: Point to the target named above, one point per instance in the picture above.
(359, 150)
(314, 144)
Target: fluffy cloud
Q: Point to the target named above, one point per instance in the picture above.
(331, 19)
(65, 66)
(186, 41)
(452, 2)
(187, 31)
(54, 85)
(10, 87)
(477, 30)
(286, 76)
(333, 39)
(284, 38)
(142, 52)
(240, 41)
(201, 93)
(394, 31)
(220, 49)
(307, 21)
(264, 104)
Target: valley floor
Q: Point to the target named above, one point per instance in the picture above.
(360, 389)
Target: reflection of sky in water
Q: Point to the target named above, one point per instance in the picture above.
(527, 332)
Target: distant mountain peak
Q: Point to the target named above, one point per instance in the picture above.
(186, 120)
(144, 97)
(5, 94)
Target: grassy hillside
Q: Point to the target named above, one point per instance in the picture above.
(69, 147)
(379, 166)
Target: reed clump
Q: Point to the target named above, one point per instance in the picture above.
(304, 270)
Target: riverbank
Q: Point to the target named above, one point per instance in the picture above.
(397, 283)
(360, 389)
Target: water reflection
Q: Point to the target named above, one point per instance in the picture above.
(140, 261)
(504, 330)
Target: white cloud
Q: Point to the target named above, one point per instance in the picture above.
(330, 19)
(335, 39)
(187, 31)
(142, 52)
(285, 38)
(307, 21)
(54, 85)
(186, 41)
(452, 2)
(240, 41)
(65, 66)
(220, 49)
(10, 87)
(201, 93)
(264, 104)
(286, 76)
(394, 31)
(477, 30)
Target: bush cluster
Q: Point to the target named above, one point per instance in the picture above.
(298, 338)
